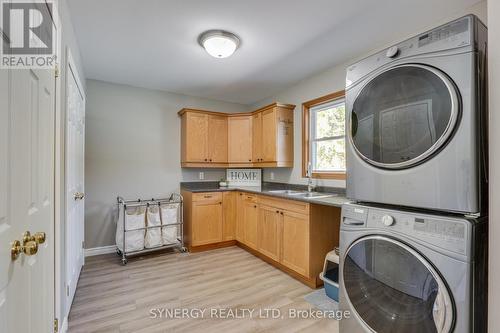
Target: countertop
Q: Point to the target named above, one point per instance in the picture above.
(337, 199)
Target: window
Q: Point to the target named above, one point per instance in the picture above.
(323, 129)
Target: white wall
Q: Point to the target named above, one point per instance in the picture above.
(327, 82)
(494, 218)
(133, 150)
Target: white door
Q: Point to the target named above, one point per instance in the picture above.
(75, 140)
(27, 111)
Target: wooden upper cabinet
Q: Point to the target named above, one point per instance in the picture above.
(194, 128)
(263, 138)
(269, 134)
(273, 136)
(240, 139)
(217, 139)
(257, 137)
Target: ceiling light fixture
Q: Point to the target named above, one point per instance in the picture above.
(219, 43)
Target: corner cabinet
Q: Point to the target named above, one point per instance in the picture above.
(292, 235)
(263, 138)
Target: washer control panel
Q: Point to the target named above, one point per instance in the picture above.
(444, 232)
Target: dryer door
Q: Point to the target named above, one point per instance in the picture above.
(403, 116)
(392, 288)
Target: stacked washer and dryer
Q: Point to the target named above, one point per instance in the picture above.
(413, 241)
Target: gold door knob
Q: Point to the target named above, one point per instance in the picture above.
(15, 250)
(39, 237)
(29, 248)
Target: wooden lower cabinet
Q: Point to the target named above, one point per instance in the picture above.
(250, 218)
(295, 242)
(268, 228)
(229, 209)
(292, 235)
(239, 217)
(207, 222)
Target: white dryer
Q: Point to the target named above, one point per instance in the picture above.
(416, 122)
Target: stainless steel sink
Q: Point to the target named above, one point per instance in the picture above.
(289, 192)
(316, 195)
(304, 194)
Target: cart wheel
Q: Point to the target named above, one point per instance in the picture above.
(124, 262)
(184, 249)
(118, 252)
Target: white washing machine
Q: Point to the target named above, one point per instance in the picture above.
(416, 120)
(402, 271)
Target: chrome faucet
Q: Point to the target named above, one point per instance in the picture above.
(310, 186)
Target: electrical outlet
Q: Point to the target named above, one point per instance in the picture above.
(271, 175)
(202, 175)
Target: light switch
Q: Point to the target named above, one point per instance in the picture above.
(202, 175)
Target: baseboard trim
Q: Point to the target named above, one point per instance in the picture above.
(95, 251)
(64, 325)
(207, 247)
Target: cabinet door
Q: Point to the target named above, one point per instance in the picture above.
(240, 139)
(207, 222)
(240, 217)
(269, 231)
(295, 242)
(257, 137)
(217, 139)
(269, 128)
(229, 215)
(195, 143)
(250, 217)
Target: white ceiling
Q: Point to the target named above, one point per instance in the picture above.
(153, 43)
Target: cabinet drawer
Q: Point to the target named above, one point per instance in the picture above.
(207, 196)
(248, 197)
(285, 204)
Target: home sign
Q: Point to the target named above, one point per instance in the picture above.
(244, 177)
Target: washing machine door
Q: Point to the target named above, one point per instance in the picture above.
(403, 116)
(392, 288)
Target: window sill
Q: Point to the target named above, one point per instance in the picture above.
(329, 175)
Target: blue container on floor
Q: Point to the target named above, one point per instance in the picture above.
(330, 279)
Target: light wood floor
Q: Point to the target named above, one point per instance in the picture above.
(115, 298)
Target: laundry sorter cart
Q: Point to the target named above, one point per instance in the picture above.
(145, 226)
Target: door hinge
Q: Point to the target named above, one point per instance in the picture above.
(67, 290)
(57, 71)
(83, 244)
(56, 325)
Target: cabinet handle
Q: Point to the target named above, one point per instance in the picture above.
(210, 160)
(207, 196)
(220, 203)
(206, 159)
(277, 212)
(241, 193)
(281, 213)
(249, 160)
(254, 206)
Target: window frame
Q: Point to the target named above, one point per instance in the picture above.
(306, 135)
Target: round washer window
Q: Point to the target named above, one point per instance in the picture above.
(394, 289)
(403, 115)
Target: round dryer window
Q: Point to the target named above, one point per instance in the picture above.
(403, 116)
(392, 288)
